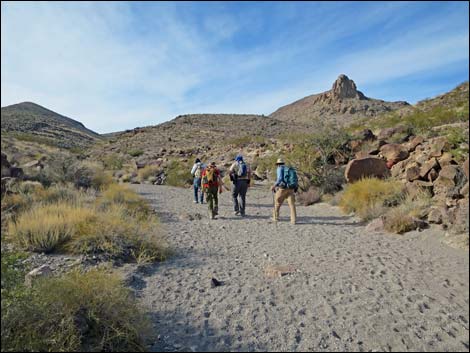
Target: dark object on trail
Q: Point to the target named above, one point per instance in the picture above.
(215, 283)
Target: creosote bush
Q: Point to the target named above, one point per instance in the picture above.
(89, 312)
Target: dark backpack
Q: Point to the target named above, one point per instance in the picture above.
(290, 178)
(242, 169)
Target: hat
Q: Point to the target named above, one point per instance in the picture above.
(212, 164)
(280, 161)
(239, 158)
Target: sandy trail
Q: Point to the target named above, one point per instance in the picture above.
(351, 291)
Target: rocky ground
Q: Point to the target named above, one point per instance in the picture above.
(324, 284)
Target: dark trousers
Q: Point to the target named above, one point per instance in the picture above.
(239, 189)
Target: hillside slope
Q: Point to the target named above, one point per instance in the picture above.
(31, 121)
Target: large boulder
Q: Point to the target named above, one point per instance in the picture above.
(386, 133)
(394, 152)
(449, 182)
(438, 145)
(365, 167)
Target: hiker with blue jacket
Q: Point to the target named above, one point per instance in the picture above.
(240, 175)
(285, 188)
(196, 172)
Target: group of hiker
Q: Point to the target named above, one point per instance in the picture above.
(208, 180)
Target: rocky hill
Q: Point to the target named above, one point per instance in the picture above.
(342, 105)
(196, 134)
(30, 121)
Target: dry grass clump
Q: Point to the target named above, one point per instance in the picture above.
(89, 312)
(85, 175)
(45, 228)
(119, 224)
(406, 216)
(369, 198)
(147, 172)
(134, 205)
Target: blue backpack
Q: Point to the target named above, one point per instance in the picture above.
(290, 178)
(242, 169)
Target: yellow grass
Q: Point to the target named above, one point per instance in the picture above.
(369, 198)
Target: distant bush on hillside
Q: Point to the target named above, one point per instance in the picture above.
(178, 173)
(136, 152)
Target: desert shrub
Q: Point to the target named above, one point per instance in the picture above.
(148, 171)
(309, 197)
(114, 235)
(458, 141)
(178, 173)
(265, 165)
(90, 312)
(369, 198)
(134, 205)
(397, 220)
(86, 175)
(113, 161)
(136, 152)
(45, 228)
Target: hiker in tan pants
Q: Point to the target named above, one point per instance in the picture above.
(283, 193)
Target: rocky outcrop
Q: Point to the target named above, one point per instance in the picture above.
(364, 168)
(340, 105)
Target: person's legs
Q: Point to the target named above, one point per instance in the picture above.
(196, 188)
(243, 191)
(291, 202)
(278, 200)
(215, 210)
(235, 191)
(210, 202)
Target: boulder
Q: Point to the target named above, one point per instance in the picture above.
(436, 214)
(432, 175)
(427, 166)
(365, 167)
(412, 172)
(40, 272)
(16, 172)
(414, 142)
(5, 166)
(394, 152)
(386, 133)
(376, 226)
(437, 146)
(366, 135)
(446, 159)
(449, 182)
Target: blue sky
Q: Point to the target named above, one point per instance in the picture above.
(119, 65)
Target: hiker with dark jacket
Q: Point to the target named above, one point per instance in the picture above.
(240, 175)
(283, 192)
(196, 172)
(211, 184)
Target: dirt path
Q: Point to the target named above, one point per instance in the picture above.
(351, 291)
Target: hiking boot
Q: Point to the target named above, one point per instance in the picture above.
(236, 213)
(195, 202)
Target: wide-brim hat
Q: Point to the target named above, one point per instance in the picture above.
(280, 161)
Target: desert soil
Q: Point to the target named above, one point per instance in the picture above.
(347, 290)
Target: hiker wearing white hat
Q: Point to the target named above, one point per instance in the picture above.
(285, 188)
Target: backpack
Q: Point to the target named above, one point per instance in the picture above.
(198, 171)
(242, 169)
(210, 176)
(290, 178)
